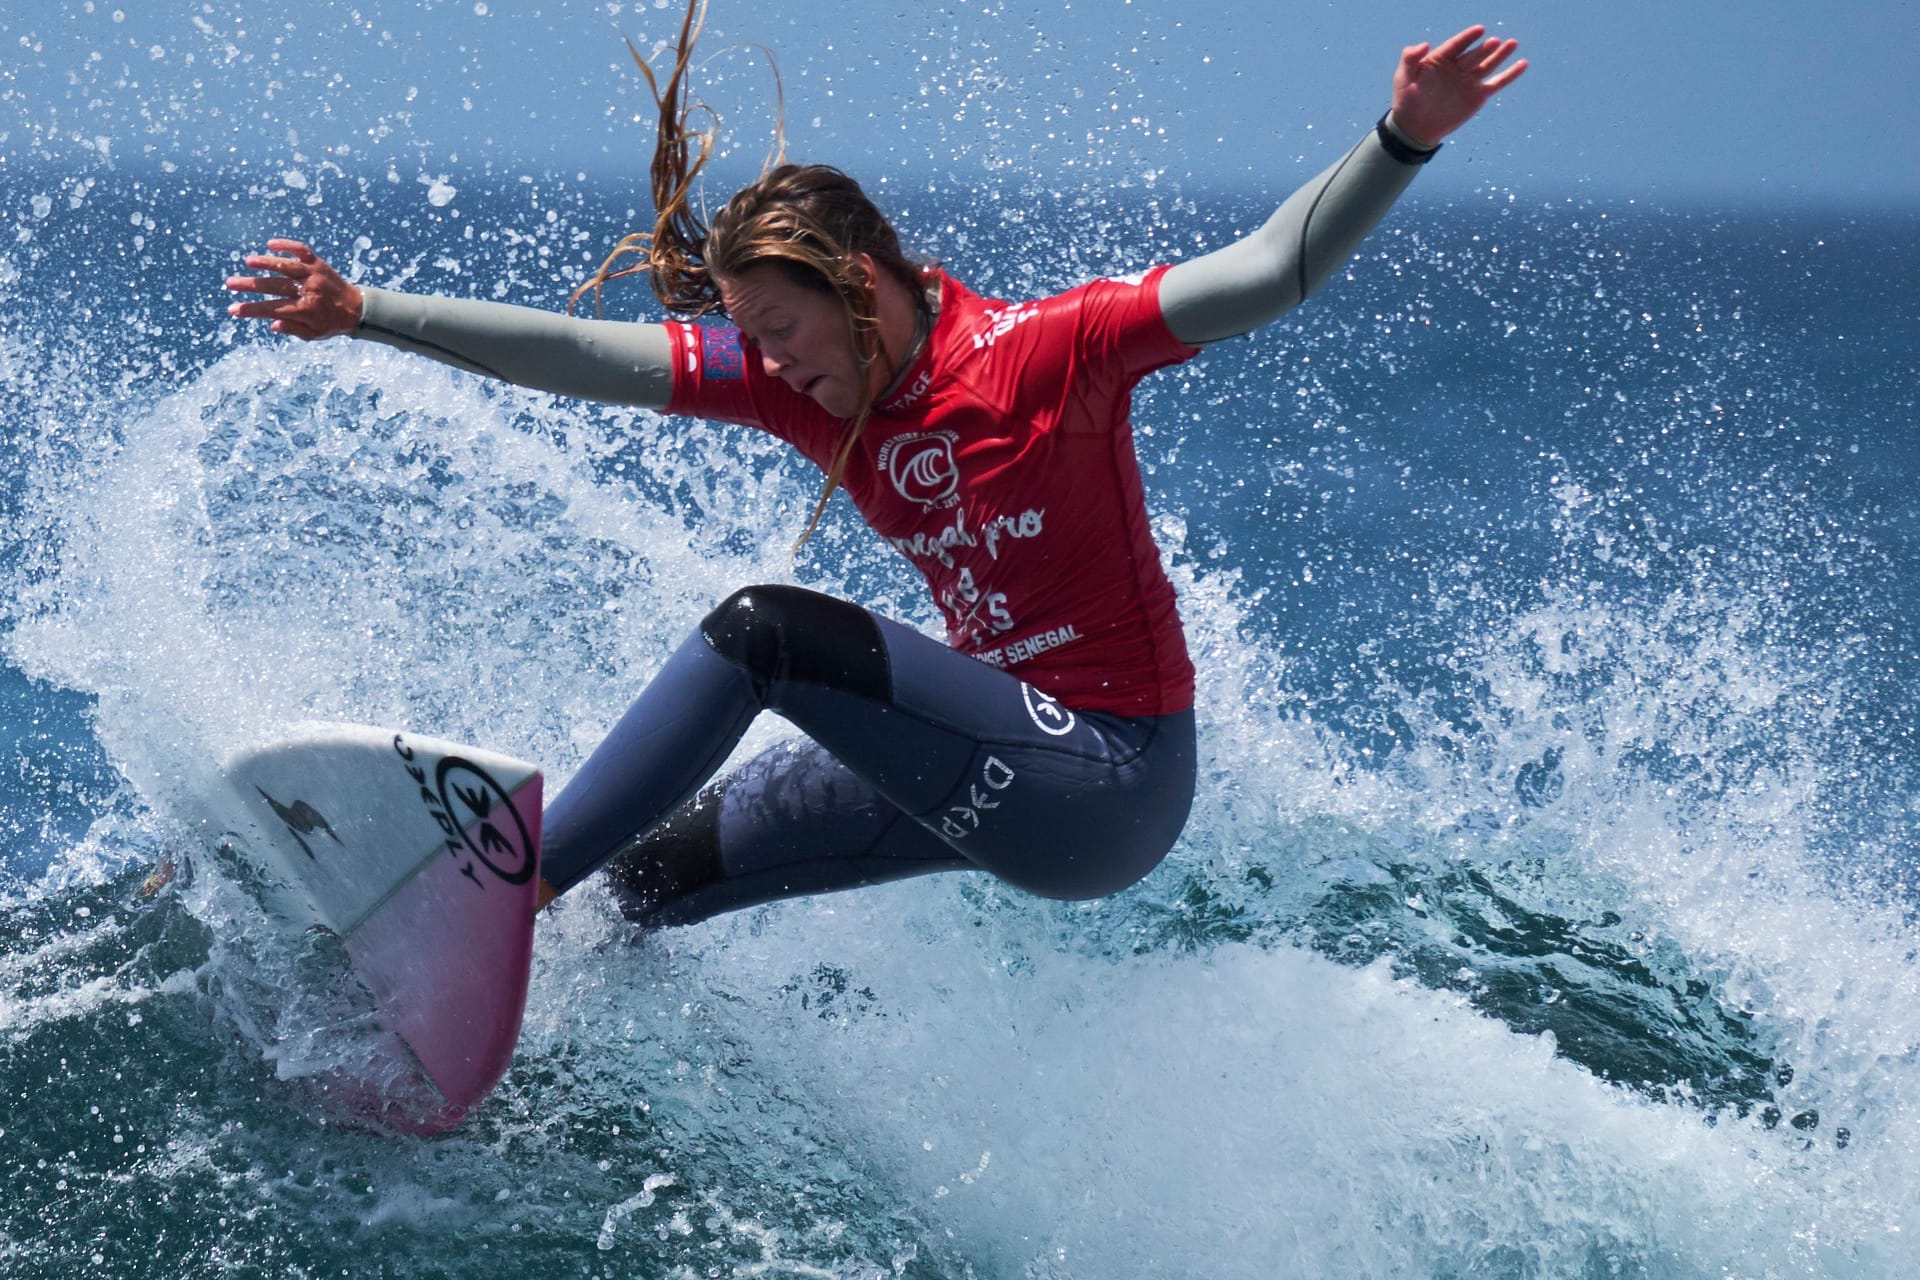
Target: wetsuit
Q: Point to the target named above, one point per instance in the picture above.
(1050, 740)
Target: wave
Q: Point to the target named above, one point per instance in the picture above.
(1531, 953)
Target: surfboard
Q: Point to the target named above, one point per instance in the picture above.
(422, 856)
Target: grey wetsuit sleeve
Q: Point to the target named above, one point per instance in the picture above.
(614, 361)
(1259, 279)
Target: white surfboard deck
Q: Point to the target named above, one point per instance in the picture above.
(423, 856)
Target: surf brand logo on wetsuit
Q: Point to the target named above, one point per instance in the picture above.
(1048, 715)
(922, 467)
(963, 819)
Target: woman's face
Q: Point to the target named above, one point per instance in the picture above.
(800, 335)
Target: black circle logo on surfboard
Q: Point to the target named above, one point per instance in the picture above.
(489, 824)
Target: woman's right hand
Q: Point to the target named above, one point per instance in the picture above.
(304, 295)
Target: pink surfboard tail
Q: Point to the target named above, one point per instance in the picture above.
(447, 957)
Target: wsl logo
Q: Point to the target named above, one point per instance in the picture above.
(922, 467)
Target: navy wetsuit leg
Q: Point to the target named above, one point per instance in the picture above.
(932, 761)
(792, 821)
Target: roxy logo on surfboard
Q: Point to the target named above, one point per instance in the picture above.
(475, 814)
(922, 467)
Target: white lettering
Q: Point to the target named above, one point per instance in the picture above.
(1027, 524)
(964, 601)
(938, 546)
(965, 605)
(1002, 323)
(912, 393)
(1029, 647)
(962, 820)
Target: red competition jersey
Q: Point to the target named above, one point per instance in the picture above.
(1004, 469)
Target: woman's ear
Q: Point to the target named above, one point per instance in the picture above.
(866, 269)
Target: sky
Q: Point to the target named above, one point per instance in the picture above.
(1705, 102)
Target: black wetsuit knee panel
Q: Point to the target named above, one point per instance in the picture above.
(780, 634)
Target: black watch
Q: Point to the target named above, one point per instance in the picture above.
(1404, 152)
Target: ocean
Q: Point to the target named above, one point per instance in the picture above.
(1547, 908)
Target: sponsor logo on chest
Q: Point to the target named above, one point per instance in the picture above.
(921, 467)
(1002, 321)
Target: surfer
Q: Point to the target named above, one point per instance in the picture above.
(1050, 739)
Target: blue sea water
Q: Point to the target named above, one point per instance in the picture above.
(1547, 908)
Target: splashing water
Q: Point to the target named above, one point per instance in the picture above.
(1545, 910)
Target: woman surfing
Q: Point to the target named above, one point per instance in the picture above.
(1050, 739)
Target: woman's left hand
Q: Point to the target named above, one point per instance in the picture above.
(1435, 91)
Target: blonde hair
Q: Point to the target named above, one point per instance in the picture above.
(813, 222)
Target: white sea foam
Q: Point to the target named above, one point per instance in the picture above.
(341, 532)
(1267, 1110)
